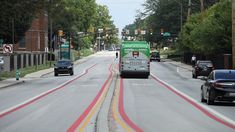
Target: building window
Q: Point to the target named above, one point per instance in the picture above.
(22, 42)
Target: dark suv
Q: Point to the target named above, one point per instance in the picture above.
(202, 68)
(155, 56)
(63, 67)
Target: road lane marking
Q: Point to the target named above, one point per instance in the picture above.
(140, 84)
(35, 98)
(115, 108)
(106, 86)
(84, 115)
(204, 109)
(122, 111)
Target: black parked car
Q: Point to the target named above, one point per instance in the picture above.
(154, 56)
(219, 86)
(63, 67)
(202, 68)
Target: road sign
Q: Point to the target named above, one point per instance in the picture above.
(166, 34)
(60, 33)
(136, 32)
(143, 32)
(7, 48)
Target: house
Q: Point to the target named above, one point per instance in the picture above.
(31, 49)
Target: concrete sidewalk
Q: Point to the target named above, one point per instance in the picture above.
(12, 81)
(179, 64)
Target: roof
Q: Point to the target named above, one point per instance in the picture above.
(224, 71)
(204, 61)
(135, 44)
(225, 74)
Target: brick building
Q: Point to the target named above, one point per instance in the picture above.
(30, 50)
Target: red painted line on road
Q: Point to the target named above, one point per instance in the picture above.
(43, 95)
(89, 108)
(123, 113)
(203, 110)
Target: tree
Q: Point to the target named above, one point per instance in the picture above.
(210, 34)
(16, 16)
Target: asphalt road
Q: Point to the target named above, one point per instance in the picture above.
(97, 99)
(170, 101)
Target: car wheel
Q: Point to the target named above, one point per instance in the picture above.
(122, 75)
(71, 73)
(146, 76)
(56, 74)
(203, 100)
(209, 100)
(193, 76)
(196, 76)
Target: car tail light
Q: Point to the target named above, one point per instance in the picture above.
(217, 85)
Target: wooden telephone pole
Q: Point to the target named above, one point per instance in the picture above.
(233, 33)
(189, 7)
(202, 5)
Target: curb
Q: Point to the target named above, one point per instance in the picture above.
(12, 84)
(189, 69)
(49, 72)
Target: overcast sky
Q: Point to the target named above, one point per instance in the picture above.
(123, 12)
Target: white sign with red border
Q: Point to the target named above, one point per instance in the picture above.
(7, 48)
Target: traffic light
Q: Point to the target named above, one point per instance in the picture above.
(60, 33)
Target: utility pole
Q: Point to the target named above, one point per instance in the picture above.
(202, 5)
(181, 13)
(181, 16)
(189, 7)
(50, 20)
(233, 33)
(13, 31)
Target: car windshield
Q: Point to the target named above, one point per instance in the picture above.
(63, 63)
(205, 63)
(154, 54)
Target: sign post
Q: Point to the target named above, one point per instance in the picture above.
(1, 63)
